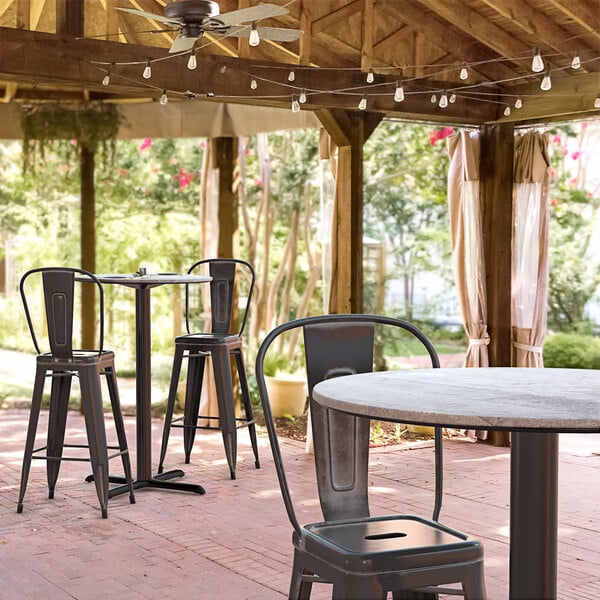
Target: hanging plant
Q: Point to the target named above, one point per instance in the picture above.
(93, 126)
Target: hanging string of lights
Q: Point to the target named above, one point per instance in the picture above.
(444, 95)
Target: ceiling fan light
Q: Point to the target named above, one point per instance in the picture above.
(254, 39)
(192, 61)
(147, 71)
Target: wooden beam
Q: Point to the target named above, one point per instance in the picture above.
(306, 26)
(225, 158)
(337, 16)
(69, 18)
(368, 27)
(585, 12)
(23, 14)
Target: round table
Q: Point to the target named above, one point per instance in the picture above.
(534, 404)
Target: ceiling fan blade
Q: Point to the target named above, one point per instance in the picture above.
(276, 34)
(182, 44)
(149, 15)
(253, 13)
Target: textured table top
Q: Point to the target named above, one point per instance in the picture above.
(151, 280)
(492, 398)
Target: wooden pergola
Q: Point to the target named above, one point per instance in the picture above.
(476, 54)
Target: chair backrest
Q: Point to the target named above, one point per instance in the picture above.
(338, 345)
(225, 273)
(58, 285)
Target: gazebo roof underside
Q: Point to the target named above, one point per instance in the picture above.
(61, 50)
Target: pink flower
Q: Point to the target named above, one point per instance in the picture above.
(557, 140)
(147, 143)
(202, 144)
(63, 168)
(123, 172)
(576, 155)
(184, 178)
(554, 202)
(440, 134)
(553, 173)
(73, 142)
(249, 152)
(573, 181)
(258, 181)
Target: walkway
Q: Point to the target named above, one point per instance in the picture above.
(234, 542)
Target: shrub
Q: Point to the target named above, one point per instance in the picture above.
(572, 351)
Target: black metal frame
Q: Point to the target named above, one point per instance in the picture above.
(363, 556)
(63, 362)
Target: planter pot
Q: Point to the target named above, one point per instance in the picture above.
(287, 395)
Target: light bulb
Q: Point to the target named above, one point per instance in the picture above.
(519, 102)
(147, 71)
(302, 97)
(443, 100)
(597, 101)
(295, 105)
(576, 62)
(189, 95)
(507, 111)
(546, 82)
(399, 93)
(362, 105)
(254, 39)
(464, 72)
(106, 80)
(370, 76)
(292, 75)
(253, 84)
(163, 99)
(192, 61)
(433, 99)
(537, 64)
(452, 98)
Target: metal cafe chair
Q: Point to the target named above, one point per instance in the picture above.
(363, 556)
(61, 363)
(220, 344)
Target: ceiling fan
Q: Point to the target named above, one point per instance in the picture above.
(195, 17)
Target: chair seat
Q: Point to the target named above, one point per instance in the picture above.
(391, 543)
(208, 338)
(80, 357)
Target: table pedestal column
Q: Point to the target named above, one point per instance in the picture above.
(533, 515)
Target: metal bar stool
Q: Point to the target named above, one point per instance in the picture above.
(220, 345)
(61, 364)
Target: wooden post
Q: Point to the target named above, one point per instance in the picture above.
(497, 150)
(88, 245)
(225, 157)
(349, 130)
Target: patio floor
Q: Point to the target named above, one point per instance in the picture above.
(235, 541)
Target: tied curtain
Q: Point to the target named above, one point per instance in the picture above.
(530, 248)
(467, 242)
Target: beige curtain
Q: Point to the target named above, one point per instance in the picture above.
(530, 249)
(467, 243)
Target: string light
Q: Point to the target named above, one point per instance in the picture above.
(253, 83)
(519, 102)
(443, 100)
(546, 82)
(452, 98)
(507, 111)
(302, 97)
(292, 75)
(164, 99)
(147, 71)
(295, 105)
(192, 63)
(433, 99)
(362, 105)
(464, 72)
(537, 64)
(254, 39)
(597, 101)
(189, 95)
(370, 76)
(399, 93)
(576, 62)
(106, 80)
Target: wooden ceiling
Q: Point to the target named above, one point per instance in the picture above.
(63, 49)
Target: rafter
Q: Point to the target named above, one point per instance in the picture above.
(585, 12)
(337, 16)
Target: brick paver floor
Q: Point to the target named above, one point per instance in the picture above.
(234, 542)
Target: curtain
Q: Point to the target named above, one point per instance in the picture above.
(467, 243)
(530, 248)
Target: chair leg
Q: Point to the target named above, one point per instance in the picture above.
(34, 415)
(299, 589)
(239, 360)
(474, 584)
(57, 420)
(224, 386)
(177, 359)
(358, 588)
(115, 403)
(193, 389)
(91, 400)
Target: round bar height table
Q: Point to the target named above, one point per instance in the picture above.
(143, 379)
(534, 404)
